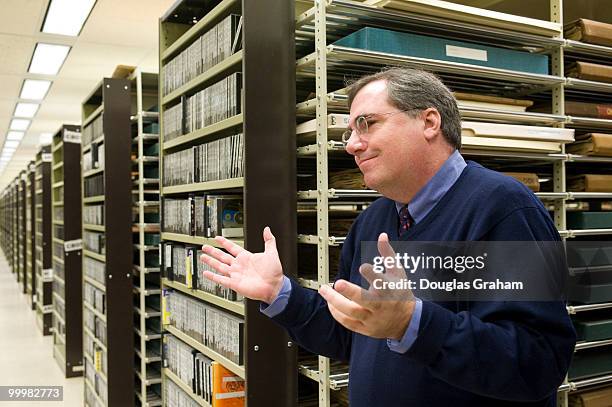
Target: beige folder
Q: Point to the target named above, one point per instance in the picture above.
(512, 131)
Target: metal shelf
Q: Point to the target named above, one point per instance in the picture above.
(94, 311)
(591, 86)
(153, 376)
(151, 357)
(95, 283)
(152, 400)
(148, 312)
(594, 344)
(97, 256)
(147, 291)
(582, 48)
(196, 240)
(236, 307)
(92, 116)
(314, 239)
(93, 172)
(96, 228)
(340, 193)
(146, 270)
(144, 115)
(96, 340)
(205, 186)
(149, 335)
(93, 199)
(204, 132)
(573, 309)
(574, 386)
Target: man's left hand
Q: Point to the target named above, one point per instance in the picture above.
(378, 313)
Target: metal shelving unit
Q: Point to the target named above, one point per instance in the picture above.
(43, 236)
(108, 350)
(67, 263)
(145, 231)
(269, 359)
(30, 239)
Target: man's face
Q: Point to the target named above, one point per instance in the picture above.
(392, 152)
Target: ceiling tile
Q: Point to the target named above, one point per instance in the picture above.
(15, 53)
(23, 17)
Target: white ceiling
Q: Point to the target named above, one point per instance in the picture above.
(117, 32)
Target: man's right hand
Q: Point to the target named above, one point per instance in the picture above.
(258, 276)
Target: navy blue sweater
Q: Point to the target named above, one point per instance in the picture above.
(466, 354)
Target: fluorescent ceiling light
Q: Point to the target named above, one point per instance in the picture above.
(66, 17)
(26, 109)
(48, 58)
(11, 143)
(45, 138)
(15, 135)
(34, 89)
(8, 151)
(19, 124)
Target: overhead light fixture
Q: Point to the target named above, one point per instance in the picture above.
(67, 17)
(20, 124)
(34, 89)
(45, 138)
(15, 135)
(8, 151)
(26, 109)
(48, 58)
(11, 143)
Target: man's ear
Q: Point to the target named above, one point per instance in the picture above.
(432, 123)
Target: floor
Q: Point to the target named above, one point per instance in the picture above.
(26, 357)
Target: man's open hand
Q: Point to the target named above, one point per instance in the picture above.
(258, 276)
(378, 313)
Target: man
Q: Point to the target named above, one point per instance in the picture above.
(405, 132)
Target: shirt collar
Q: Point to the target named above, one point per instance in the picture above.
(428, 196)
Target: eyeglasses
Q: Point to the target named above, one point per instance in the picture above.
(363, 122)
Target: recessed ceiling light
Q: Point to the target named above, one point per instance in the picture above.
(34, 89)
(11, 143)
(15, 135)
(19, 124)
(66, 17)
(8, 150)
(26, 109)
(48, 58)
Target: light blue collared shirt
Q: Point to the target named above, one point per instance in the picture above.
(420, 205)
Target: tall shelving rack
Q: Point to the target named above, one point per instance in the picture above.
(42, 234)
(21, 231)
(269, 357)
(107, 245)
(67, 257)
(13, 225)
(146, 228)
(30, 238)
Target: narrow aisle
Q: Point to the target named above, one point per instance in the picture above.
(26, 357)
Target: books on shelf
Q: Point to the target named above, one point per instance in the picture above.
(182, 264)
(590, 183)
(213, 161)
(596, 144)
(92, 131)
(204, 215)
(218, 330)
(206, 51)
(589, 71)
(93, 214)
(94, 242)
(173, 121)
(94, 269)
(589, 31)
(94, 297)
(93, 186)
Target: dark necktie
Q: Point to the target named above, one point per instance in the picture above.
(405, 221)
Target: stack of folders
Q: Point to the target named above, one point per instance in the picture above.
(206, 51)
(217, 160)
(94, 269)
(93, 214)
(172, 118)
(478, 101)
(598, 397)
(176, 397)
(206, 378)
(182, 264)
(589, 71)
(204, 215)
(589, 31)
(213, 327)
(93, 186)
(346, 179)
(94, 241)
(592, 144)
(495, 136)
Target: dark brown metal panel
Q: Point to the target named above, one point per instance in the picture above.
(47, 232)
(32, 237)
(73, 295)
(23, 240)
(118, 223)
(270, 185)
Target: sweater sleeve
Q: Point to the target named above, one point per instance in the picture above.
(512, 350)
(308, 320)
